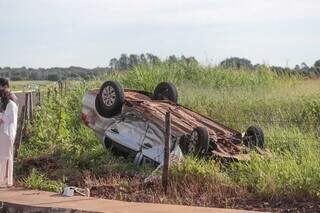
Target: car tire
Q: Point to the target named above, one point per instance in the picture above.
(166, 91)
(254, 137)
(199, 141)
(110, 99)
(184, 144)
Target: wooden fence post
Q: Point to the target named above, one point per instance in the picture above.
(20, 130)
(49, 93)
(65, 87)
(31, 105)
(39, 98)
(166, 157)
(60, 85)
(55, 93)
(26, 103)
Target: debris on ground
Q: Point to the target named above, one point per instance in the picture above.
(69, 191)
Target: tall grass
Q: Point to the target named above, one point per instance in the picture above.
(146, 77)
(292, 171)
(287, 108)
(237, 98)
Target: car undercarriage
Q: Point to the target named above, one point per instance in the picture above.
(133, 121)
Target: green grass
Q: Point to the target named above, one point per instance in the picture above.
(287, 108)
(36, 180)
(29, 85)
(292, 170)
(146, 77)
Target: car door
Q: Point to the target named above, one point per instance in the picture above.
(129, 131)
(153, 143)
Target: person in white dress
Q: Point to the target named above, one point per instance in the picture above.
(8, 129)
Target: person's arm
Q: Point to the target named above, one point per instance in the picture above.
(10, 115)
(10, 120)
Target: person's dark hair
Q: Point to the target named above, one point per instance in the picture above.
(4, 99)
(4, 82)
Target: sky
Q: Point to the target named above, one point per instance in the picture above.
(88, 33)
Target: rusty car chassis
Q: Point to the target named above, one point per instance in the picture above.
(132, 121)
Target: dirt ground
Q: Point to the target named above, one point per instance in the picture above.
(130, 187)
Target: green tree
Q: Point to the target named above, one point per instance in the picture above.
(113, 64)
(53, 77)
(172, 59)
(236, 63)
(143, 59)
(153, 59)
(133, 60)
(123, 62)
(317, 67)
(192, 60)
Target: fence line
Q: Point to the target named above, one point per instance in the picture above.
(26, 108)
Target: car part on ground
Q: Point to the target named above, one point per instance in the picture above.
(133, 121)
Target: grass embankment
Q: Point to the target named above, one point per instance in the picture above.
(287, 108)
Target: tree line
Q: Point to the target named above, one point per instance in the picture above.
(127, 62)
(243, 63)
(51, 74)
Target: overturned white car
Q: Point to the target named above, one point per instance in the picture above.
(132, 122)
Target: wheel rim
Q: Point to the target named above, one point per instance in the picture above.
(193, 141)
(108, 96)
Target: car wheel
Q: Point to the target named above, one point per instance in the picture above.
(110, 99)
(166, 91)
(184, 144)
(199, 141)
(254, 137)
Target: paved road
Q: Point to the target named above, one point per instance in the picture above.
(32, 201)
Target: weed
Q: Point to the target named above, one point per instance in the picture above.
(35, 180)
